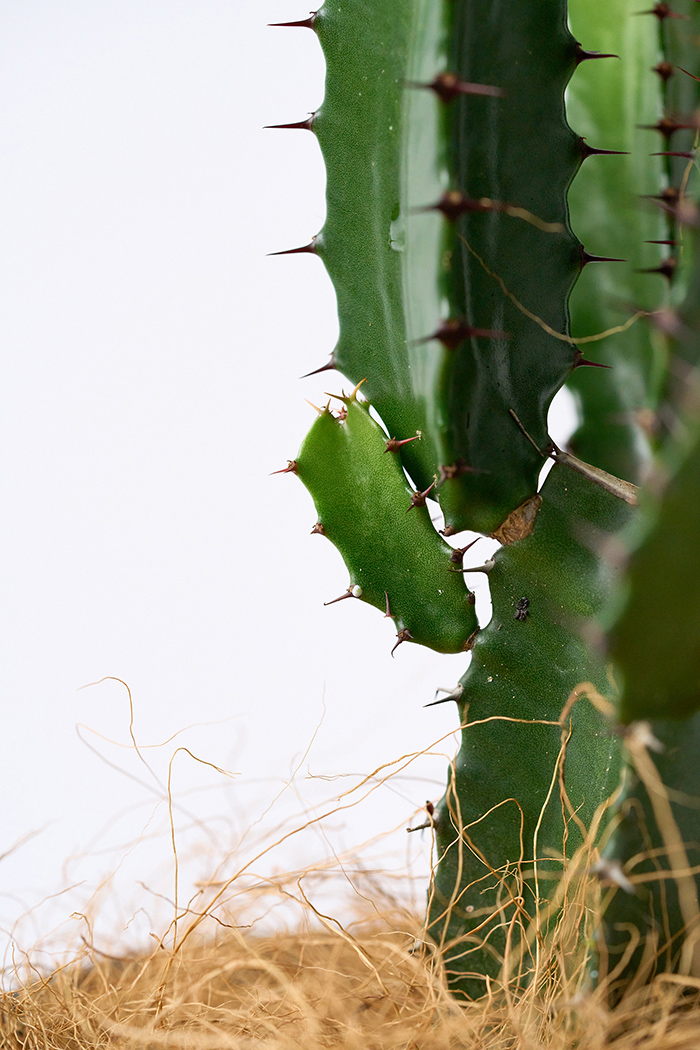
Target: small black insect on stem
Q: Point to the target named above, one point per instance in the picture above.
(521, 609)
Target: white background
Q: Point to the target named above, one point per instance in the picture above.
(151, 355)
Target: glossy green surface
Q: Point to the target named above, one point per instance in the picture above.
(362, 131)
(526, 669)
(517, 149)
(606, 101)
(362, 501)
(401, 269)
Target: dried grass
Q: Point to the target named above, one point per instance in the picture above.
(358, 989)
(376, 983)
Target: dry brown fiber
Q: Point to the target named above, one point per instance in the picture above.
(358, 989)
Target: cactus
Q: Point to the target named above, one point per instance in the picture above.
(452, 166)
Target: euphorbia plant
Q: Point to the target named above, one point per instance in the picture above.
(488, 243)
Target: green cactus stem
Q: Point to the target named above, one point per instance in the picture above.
(396, 560)
(652, 923)
(504, 836)
(450, 159)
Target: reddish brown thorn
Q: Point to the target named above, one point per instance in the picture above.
(675, 153)
(665, 71)
(342, 413)
(586, 257)
(581, 362)
(305, 248)
(450, 471)
(471, 597)
(584, 56)
(305, 23)
(667, 268)
(454, 204)
(691, 75)
(404, 635)
(669, 196)
(318, 529)
(449, 530)
(303, 125)
(388, 614)
(671, 243)
(457, 555)
(668, 125)
(591, 151)
(352, 592)
(453, 332)
(291, 468)
(324, 368)
(418, 498)
(448, 86)
(663, 10)
(392, 445)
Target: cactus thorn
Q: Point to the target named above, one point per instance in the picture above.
(453, 204)
(347, 398)
(664, 70)
(309, 248)
(450, 471)
(352, 592)
(303, 125)
(662, 11)
(486, 567)
(581, 55)
(449, 530)
(451, 694)
(430, 822)
(453, 332)
(689, 155)
(404, 635)
(668, 125)
(388, 615)
(672, 244)
(317, 409)
(291, 468)
(392, 445)
(448, 86)
(586, 257)
(592, 151)
(691, 75)
(610, 871)
(324, 368)
(418, 498)
(457, 555)
(304, 23)
(318, 529)
(667, 268)
(670, 195)
(582, 361)
(421, 827)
